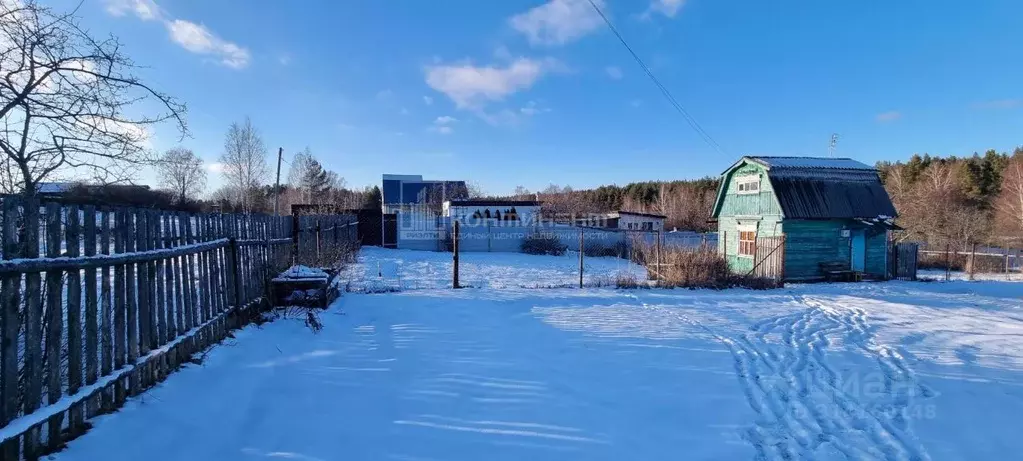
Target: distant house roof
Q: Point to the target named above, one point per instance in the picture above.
(636, 213)
(823, 188)
(54, 187)
(493, 203)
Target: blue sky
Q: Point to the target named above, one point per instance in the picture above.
(528, 92)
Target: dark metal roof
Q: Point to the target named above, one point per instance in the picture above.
(811, 162)
(851, 194)
(637, 213)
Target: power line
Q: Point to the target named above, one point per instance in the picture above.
(667, 94)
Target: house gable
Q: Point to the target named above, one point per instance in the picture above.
(735, 198)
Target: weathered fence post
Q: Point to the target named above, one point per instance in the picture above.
(33, 325)
(581, 242)
(1007, 277)
(10, 300)
(455, 238)
(76, 415)
(947, 262)
(659, 268)
(973, 260)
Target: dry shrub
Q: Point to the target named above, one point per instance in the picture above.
(961, 262)
(699, 267)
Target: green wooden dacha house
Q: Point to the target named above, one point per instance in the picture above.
(831, 212)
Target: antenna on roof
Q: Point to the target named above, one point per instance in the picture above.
(831, 146)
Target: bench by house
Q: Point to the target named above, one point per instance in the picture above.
(837, 271)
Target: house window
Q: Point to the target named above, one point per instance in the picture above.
(748, 184)
(747, 243)
(648, 226)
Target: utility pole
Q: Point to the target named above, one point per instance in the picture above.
(277, 186)
(831, 146)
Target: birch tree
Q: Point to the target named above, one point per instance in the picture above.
(244, 162)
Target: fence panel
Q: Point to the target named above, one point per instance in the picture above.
(769, 258)
(122, 297)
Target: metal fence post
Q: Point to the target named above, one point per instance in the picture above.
(580, 258)
(454, 246)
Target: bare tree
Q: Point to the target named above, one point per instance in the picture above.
(181, 171)
(1009, 204)
(70, 102)
(244, 161)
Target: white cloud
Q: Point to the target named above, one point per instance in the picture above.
(145, 10)
(471, 87)
(889, 116)
(532, 108)
(193, 37)
(427, 100)
(668, 8)
(198, 39)
(214, 167)
(443, 124)
(558, 22)
(1000, 104)
(614, 72)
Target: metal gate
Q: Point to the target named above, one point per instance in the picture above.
(903, 261)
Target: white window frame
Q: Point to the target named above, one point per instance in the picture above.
(747, 184)
(749, 250)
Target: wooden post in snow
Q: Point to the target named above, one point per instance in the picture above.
(580, 258)
(947, 268)
(454, 270)
(973, 260)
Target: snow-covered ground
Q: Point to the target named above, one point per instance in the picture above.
(379, 269)
(939, 274)
(900, 371)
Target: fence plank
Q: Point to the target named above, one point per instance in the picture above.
(159, 316)
(132, 294)
(33, 325)
(172, 310)
(120, 299)
(91, 307)
(76, 414)
(54, 323)
(202, 287)
(188, 267)
(107, 306)
(10, 300)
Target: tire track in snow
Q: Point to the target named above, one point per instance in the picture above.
(799, 399)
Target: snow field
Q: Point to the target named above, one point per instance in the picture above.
(893, 371)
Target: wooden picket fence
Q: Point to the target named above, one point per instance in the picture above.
(99, 304)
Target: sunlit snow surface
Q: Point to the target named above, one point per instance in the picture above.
(900, 370)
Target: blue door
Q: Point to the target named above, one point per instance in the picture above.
(859, 250)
